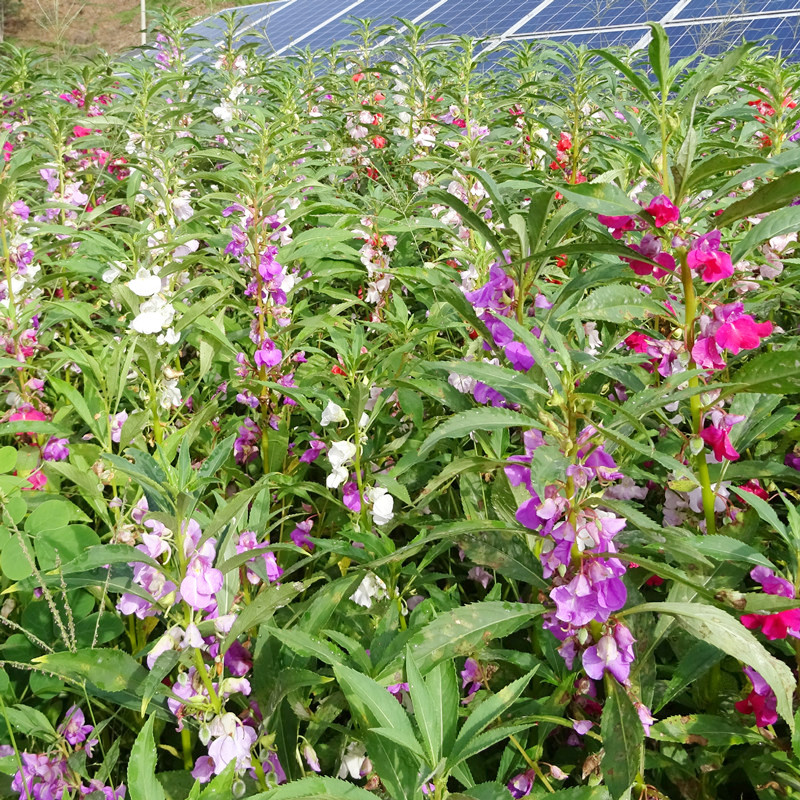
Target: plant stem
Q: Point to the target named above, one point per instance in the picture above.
(690, 302)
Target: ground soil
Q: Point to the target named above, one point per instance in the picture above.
(111, 25)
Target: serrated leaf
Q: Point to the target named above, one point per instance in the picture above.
(484, 419)
(613, 303)
(623, 740)
(142, 781)
(704, 730)
(601, 198)
(718, 628)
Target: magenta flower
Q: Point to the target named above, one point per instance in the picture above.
(663, 210)
(739, 331)
(618, 225)
(351, 497)
(706, 258)
(268, 354)
(521, 785)
(245, 446)
(717, 439)
(73, 728)
(774, 626)
(300, 535)
(761, 701)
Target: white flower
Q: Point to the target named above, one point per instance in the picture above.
(183, 250)
(224, 111)
(114, 271)
(154, 316)
(332, 413)
(170, 337)
(371, 588)
(352, 760)
(593, 342)
(181, 207)
(382, 505)
(339, 454)
(145, 284)
(170, 396)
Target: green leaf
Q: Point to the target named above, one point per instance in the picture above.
(601, 198)
(142, 781)
(427, 710)
(487, 712)
(704, 730)
(221, 785)
(693, 665)
(316, 787)
(726, 548)
(14, 562)
(463, 631)
(469, 216)
(776, 372)
(374, 706)
(483, 419)
(263, 607)
(623, 739)
(109, 670)
(784, 220)
(63, 545)
(8, 459)
(615, 303)
(775, 194)
(718, 628)
(658, 53)
(31, 722)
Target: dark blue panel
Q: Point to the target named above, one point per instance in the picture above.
(378, 11)
(724, 8)
(577, 14)
(480, 17)
(716, 38)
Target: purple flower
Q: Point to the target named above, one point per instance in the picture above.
(481, 576)
(73, 728)
(56, 450)
(249, 541)
(521, 785)
(268, 355)
(613, 653)
(245, 447)
(201, 584)
(772, 583)
(300, 535)
(351, 496)
(115, 422)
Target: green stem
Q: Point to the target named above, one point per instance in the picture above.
(690, 301)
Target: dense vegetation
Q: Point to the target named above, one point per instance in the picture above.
(401, 421)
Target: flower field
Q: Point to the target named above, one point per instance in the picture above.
(399, 422)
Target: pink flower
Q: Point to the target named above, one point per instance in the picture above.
(706, 257)
(717, 439)
(742, 332)
(27, 414)
(618, 225)
(36, 481)
(663, 210)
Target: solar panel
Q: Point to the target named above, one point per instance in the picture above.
(709, 26)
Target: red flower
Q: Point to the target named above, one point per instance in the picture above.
(774, 626)
(337, 370)
(79, 131)
(379, 142)
(358, 77)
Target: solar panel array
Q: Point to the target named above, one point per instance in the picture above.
(709, 26)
